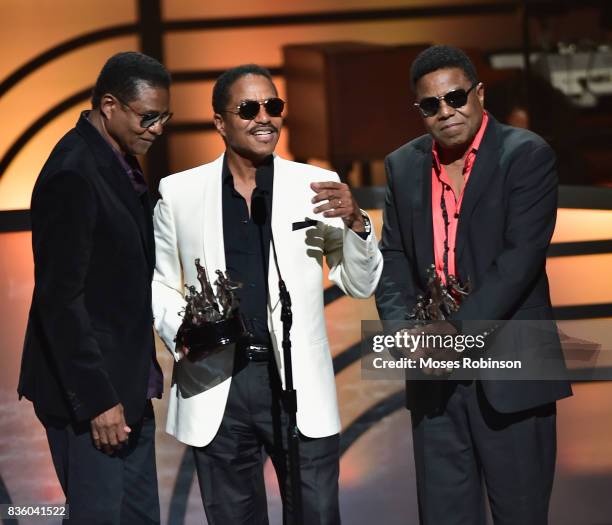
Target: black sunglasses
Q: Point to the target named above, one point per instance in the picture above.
(455, 99)
(249, 109)
(147, 119)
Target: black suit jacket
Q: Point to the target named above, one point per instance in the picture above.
(89, 342)
(506, 222)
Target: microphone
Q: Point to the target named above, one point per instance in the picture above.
(261, 212)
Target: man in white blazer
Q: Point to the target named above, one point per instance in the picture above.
(205, 213)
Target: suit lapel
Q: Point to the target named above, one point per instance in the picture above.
(117, 179)
(423, 222)
(281, 226)
(483, 171)
(150, 237)
(211, 219)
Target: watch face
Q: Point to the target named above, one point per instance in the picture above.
(367, 224)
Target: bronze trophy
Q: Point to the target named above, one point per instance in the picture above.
(441, 300)
(210, 321)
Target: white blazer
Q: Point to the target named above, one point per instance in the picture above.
(189, 224)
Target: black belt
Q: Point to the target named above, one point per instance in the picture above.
(255, 352)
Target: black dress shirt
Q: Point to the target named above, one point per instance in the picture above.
(247, 247)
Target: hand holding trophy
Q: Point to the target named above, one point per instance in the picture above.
(441, 300)
(210, 321)
(431, 311)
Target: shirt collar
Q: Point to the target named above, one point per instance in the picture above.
(264, 175)
(473, 147)
(128, 162)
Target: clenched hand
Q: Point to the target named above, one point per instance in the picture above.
(109, 430)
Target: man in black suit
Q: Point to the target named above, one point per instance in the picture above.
(89, 363)
(477, 199)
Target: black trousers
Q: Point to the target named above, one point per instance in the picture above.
(106, 490)
(230, 468)
(463, 444)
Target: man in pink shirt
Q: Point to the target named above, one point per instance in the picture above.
(477, 200)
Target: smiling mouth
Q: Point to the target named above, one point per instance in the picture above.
(264, 132)
(265, 136)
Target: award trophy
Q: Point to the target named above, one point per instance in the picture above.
(210, 321)
(438, 304)
(441, 300)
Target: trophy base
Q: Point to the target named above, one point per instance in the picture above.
(211, 338)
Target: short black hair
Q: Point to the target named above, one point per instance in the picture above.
(123, 74)
(220, 96)
(441, 57)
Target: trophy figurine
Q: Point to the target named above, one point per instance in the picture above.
(211, 321)
(441, 300)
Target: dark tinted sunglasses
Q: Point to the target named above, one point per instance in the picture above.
(249, 109)
(455, 99)
(148, 119)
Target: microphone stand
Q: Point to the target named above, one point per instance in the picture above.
(293, 496)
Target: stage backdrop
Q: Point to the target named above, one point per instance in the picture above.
(52, 52)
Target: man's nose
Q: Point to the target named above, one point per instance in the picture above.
(445, 110)
(262, 115)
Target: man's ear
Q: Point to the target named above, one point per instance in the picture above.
(108, 104)
(219, 124)
(480, 93)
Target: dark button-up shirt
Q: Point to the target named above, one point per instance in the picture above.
(247, 247)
